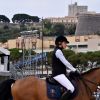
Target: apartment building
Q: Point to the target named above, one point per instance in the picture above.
(77, 43)
(63, 20)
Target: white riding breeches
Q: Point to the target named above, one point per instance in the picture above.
(63, 80)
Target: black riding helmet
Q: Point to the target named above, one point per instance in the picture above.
(61, 39)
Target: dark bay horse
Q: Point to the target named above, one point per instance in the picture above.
(33, 88)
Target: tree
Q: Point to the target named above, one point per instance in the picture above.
(68, 53)
(34, 18)
(58, 29)
(4, 19)
(23, 18)
(49, 57)
(14, 54)
(93, 58)
(73, 59)
(47, 24)
(82, 62)
(71, 29)
(97, 55)
(47, 27)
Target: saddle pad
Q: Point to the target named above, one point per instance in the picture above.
(54, 91)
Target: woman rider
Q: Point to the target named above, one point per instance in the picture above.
(60, 64)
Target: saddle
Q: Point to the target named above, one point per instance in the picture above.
(55, 90)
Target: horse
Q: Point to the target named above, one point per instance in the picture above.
(34, 88)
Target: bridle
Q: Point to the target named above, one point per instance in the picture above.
(89, 81)
(84, 81)
(98, 87)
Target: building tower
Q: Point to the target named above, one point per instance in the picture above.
(74, 9)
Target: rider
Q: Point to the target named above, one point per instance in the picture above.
(60, 65)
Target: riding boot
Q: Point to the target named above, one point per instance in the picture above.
(66, 95)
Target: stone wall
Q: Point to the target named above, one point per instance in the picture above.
(88, 24)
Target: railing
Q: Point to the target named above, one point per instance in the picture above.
(97, 95)
(19, 71)
(22, 69)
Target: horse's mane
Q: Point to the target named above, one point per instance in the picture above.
(90, 71)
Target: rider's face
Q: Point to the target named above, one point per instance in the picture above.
(64, 45)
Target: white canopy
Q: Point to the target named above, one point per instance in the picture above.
(4, 51)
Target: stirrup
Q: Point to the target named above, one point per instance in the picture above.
(66, 95)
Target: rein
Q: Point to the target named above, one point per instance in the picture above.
(89, 81)
(84, 82)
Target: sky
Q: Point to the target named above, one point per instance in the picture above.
(43, 8)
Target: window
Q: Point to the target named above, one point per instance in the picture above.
(77, 40)
(52, 46)
(85, 39)
(72, 46)
(82, 46)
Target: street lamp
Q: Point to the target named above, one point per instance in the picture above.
(42, 42)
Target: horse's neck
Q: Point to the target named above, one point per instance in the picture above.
(93, 78)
